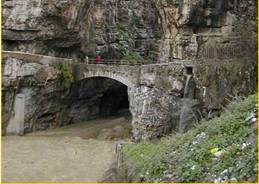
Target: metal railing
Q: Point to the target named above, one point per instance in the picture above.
(29, 57)
(118, 62)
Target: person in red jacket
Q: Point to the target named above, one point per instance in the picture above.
(98, 59)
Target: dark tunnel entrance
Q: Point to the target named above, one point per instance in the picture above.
(100, 108)
(98, 97)
(114, 101)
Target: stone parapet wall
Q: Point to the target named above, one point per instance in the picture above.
(35, 58)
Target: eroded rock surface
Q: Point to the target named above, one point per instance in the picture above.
(156, 29)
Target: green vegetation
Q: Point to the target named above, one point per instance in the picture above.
(65, 75)
(133, 57)
(123, 33)
(172, 2)
(222, 149)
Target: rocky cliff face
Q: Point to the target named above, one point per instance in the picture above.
(66, 28)
(156, 29)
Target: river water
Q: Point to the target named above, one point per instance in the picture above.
(81, 152)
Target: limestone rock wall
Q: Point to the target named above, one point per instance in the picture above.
(67, 28)
(220, 83)
(159, 30)
(41, 106)
(155, 113)
(165, 101)
(190, 26)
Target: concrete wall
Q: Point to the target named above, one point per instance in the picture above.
(16, 124)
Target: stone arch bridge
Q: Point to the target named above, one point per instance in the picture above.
(154, 90)
(128, 75)
(124, 72)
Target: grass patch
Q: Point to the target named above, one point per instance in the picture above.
(223, 148)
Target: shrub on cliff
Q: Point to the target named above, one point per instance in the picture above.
(223, 149)
(133, 57)
(65, 75)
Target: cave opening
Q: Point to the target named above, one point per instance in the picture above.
(98, 97)
(101, 104)
(114, 101)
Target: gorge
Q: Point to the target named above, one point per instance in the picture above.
(167, 64)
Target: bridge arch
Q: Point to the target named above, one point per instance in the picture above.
(110, 75)
(113, 95)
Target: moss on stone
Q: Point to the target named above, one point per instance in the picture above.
(65, 75)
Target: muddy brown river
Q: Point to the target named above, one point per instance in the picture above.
(81, 152)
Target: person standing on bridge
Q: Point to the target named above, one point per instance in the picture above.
(98, 59)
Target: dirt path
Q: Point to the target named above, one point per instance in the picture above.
(66, 154)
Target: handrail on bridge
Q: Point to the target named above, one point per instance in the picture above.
(132, 62)
(118, 62)
(50, 59)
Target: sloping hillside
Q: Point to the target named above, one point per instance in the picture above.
(220, 150)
